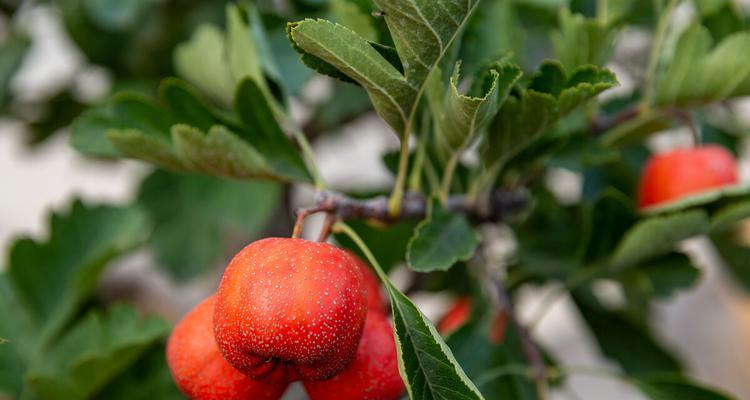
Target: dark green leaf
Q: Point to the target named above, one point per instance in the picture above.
(529, 113)
(12, 53)
(676, 387)
(148, 379)
(440, 241)
(700, 72)
(611, 216)
(736, 255)
(81, 243)
(666, 275)
(427, 364)
(629, 343)
(196, 215)
(93, 352)
(262, 131)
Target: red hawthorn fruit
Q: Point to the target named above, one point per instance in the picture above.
(676, 174)
(290, 309)
(375, 301)
(198, 367)
(373, 375)
(455, 317)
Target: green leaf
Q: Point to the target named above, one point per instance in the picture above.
(423, 31)
(347, 13)
(49, 352)
(125, 111)
(185, 105)
(426, 363)
(726, 216)
(666, 275)
(629, 343)
(610, 217)
(462, 115)
(529, 113)
(481, 357)
(581, 41)
(190, 136)
(81, 243)
(727, 193)
(12, 53)
(195, 216)
(440, 241)
(700, 73)
(736, 255)
(115, 15)
(93, 352)
(656, 236)
(262, 131)
(341, 48)
(676, 387)
(149, 378)
(220, 153)
(201, 61)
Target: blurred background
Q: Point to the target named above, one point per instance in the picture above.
(709, 326)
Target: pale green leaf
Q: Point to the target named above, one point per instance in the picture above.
(201, 61)
(581, 41)
(700, 73)
(347, 13)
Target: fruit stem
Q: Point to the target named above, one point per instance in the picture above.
(348, 231)
(303, 213)
(394, 203)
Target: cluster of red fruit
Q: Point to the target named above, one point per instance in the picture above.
(288, 310)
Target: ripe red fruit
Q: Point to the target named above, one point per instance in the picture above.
(198, 367)
(375, 301)
(290, 309)
(679, 173)
(373, 375)
(456, 316)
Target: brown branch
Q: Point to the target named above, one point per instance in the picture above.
(502, 205)
(504, 303)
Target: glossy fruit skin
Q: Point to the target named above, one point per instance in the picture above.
(375, 301)
(455, 317)
(679, 173)
(290, 309)
(373, 375)
(199, 369)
